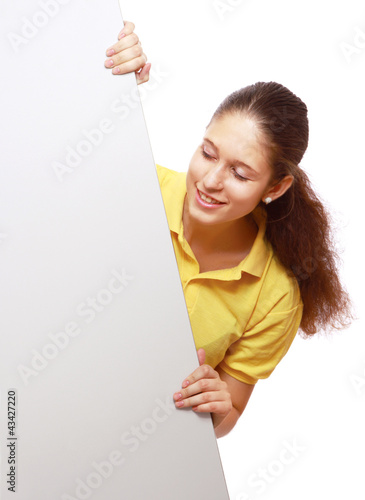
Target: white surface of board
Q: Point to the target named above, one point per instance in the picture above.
(95, 337)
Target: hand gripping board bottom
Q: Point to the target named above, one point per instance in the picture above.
(95, 336)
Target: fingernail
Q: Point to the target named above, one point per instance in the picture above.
(121, 35)
(177, 396)
(110, 52)
(185, 383)
(180, 404)
(116, 71)
(110, 63)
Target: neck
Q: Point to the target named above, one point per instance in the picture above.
(226, 236)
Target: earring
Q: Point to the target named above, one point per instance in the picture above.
(268, 200)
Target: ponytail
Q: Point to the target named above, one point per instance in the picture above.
(299, 230)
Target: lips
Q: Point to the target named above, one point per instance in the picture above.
(207, 201)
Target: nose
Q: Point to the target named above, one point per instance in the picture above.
(213, 179)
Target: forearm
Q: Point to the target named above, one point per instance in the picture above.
(225, 425)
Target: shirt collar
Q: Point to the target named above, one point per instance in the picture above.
(254, 263)
(261, 250)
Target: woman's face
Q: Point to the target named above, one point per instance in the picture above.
(229, 173)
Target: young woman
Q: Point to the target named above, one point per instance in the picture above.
(252, 241)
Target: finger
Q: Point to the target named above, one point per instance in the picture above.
(201, 356)
(124, 44)
(144, 75)
(204, 371)
(221, 408)
(132, 59)
(204, 385)
(133, 55)
(127, 29)
(215, 402)
(130, 66)
(126, 34)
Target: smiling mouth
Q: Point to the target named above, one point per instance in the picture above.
(208, 199)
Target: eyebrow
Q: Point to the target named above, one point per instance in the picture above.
(237, 163)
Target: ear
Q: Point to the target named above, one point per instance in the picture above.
(277, 190)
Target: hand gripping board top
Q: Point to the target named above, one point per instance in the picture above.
(95, 336)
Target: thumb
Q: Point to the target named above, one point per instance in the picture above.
(201, 356)
(144, 74)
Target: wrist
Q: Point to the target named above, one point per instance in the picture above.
(224, 424)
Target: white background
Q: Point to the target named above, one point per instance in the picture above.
(202, 51)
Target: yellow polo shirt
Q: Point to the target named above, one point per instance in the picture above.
(245, 317)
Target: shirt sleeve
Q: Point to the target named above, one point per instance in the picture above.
(263, 345)
(163, 173)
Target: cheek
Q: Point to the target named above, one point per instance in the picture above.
(190, 181)
(195, 170)
(247, 195)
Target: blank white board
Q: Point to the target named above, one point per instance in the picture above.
(95, 336)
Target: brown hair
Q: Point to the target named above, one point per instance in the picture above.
(298, 224)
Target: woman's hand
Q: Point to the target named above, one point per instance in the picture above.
(204, 391)
(127, 55)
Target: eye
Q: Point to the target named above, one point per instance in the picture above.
(238, 176)
(206, 155)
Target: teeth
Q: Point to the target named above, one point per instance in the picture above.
(208, 199)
